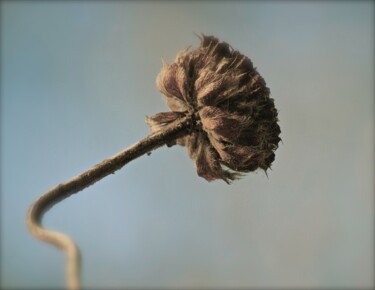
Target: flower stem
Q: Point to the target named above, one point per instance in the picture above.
(108, 166)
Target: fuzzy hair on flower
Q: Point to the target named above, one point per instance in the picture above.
(234, 120)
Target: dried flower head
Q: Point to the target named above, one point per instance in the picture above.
(234, 119)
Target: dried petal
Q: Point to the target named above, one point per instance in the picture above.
(159, 120)
(209, 167)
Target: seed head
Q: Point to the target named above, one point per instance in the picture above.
(234, 119)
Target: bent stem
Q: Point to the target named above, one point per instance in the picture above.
(108, 166)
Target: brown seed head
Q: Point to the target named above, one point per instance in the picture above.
(235, 120)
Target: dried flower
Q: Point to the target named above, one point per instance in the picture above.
(235, 126)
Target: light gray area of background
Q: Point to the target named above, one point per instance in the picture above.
(78, 79)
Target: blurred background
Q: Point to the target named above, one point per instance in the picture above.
(78, 80)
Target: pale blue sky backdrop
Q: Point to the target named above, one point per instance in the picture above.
(78, 80)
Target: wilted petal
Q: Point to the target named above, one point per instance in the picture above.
(165, 117)
(219, 48)
(210, 89)
(209, 167)
(246, 158)
(221, 88)
(159, 120)
(206, 82)
(182, 82)
(236, 156)
(176, 104)
(244, 64)
(222, 65)
(167, 83)
(222, 125)
(241, 62)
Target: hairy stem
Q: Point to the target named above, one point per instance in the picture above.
(65, 189)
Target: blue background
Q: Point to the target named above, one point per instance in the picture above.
(78, 79)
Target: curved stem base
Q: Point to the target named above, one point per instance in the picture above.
(108, 166)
